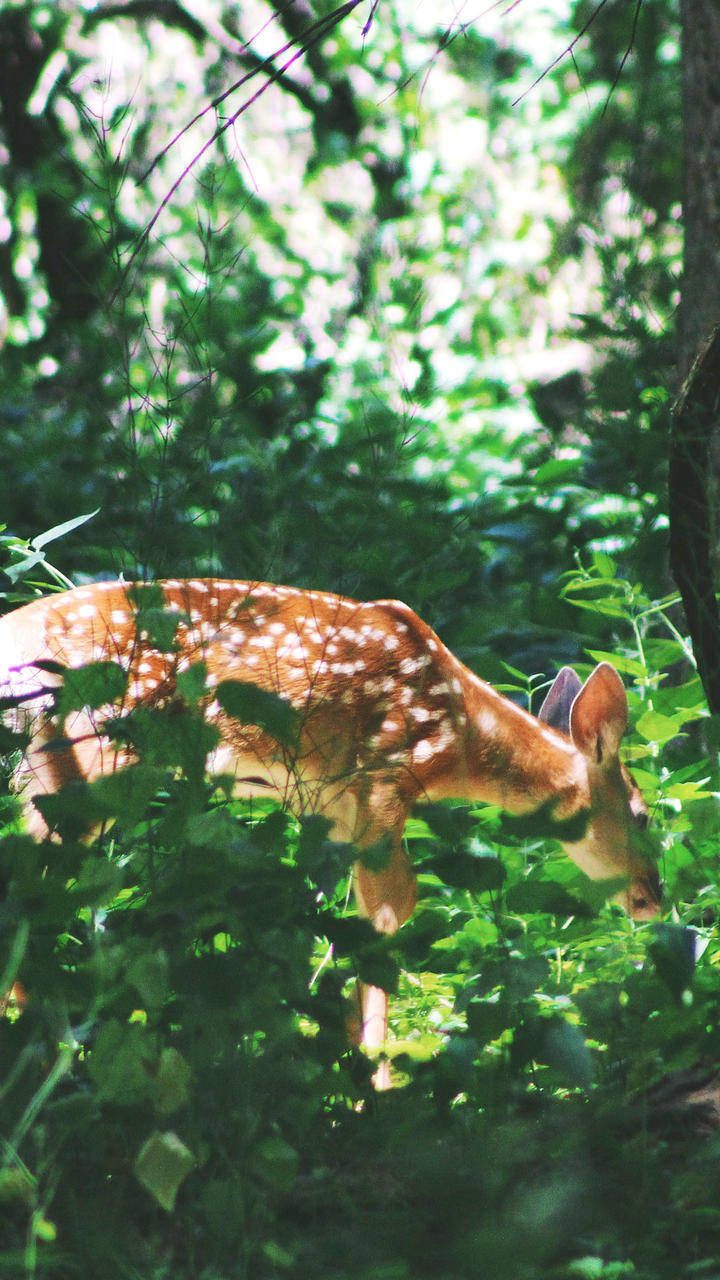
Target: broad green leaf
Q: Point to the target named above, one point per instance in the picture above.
(153, 619)
(253, 705)
(673, 950)
(121, 1063)
(621, 662)
(466, 871)
(487, 1019)
(149, 975)
(173, 1081)
(94, 685)
(565, 1049)
(162, 1165)
(276, 1162)
(654, 727)
(545, 896)
(191, 682)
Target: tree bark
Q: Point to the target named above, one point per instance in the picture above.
(693, 512)
(694, 477)
(700, 307)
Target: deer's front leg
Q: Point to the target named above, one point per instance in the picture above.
(387, 898)
(372, 812)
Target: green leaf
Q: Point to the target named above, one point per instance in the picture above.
(191, 683)
(252, 705)
(620, 661)
(276, 1163)
(121, 1063)
(94, 685)
(487, 1019)
(162, 738)
(451, 822)
(558, 469)
(155, 623)
(654, 727)
(59, 530)
(149, 975)
(466, 871)
(17, 1183)
(673, 952)
(565, 1050)
(80, 806)
(17, 571)
(172, 1080)
(124, 794)
(544, 896)
(162, 1165)
(376, 856)
(378, 968)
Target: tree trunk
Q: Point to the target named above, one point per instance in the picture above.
(694, 478)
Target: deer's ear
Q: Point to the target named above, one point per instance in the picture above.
(599, 714)
(555, 710)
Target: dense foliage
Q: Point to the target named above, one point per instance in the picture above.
(404, 329)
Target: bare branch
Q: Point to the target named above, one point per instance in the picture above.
(317, 31)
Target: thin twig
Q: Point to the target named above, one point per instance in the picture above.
(568, 49)
(626, 55)
(318, 30)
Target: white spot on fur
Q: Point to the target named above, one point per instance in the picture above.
(446, 736)
(343, 668)
(409, 666)
(439, 690)
(486, 723)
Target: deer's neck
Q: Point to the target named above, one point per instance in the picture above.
(514, 760)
